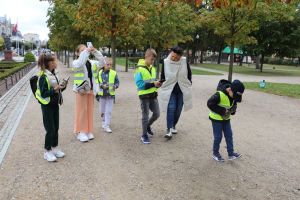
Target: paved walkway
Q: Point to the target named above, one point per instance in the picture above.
(117, 166)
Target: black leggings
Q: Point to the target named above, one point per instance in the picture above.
(51, 124)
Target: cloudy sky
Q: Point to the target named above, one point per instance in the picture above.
(30, 14)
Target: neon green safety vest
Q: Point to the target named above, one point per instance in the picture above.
(148, 76)
(38, 95)
(111, 82)
(225, 103)
(79, 74)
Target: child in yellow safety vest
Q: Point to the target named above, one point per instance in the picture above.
(222, 105)
(108, 82)
(49, 96)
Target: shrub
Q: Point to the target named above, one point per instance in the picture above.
(29, 57)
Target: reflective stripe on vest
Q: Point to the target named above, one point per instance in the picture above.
(79, 74)
(111, 82)
(225, 103)
(38, 95)
(147, 78)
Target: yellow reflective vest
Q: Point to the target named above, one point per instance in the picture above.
(79, 74)
(111, 82)
(225, 103)
(148, 76)
(38, 95)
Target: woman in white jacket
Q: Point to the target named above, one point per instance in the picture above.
(176, 89)
(85, 87)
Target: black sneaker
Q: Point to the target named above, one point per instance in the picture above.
(218, 157)
(149, 131)
(145, 139)
(234, 156)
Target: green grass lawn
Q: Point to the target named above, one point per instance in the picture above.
(282, 89)
(121, 61)
(202, 72)
(280, 70)
(7, 69)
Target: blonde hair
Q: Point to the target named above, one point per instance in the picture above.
(78, 48)
(150, 52)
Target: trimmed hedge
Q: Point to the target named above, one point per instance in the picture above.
(29, 57)
(7, 69)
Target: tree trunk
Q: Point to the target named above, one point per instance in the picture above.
(201, 57)
(68, 61)
(113, 35)
(257, 63)
(126, 54)
(193, 57)
(158, 52)
(231, 61)
(220, 53)
(65, 61)
(241, 59)
(74, 55)
(262, 62)
(188, 55)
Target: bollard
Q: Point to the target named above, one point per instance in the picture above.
(6, 85)
(12, 80)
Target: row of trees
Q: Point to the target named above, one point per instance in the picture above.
(260, 28)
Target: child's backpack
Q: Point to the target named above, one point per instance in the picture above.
(223, 84)
(33, 84)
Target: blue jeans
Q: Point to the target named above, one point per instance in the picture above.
(218, 128)
(174, 109)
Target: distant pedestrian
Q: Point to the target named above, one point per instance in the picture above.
(223, 104)
(176, 90)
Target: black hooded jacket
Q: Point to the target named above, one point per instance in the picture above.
(214, 100)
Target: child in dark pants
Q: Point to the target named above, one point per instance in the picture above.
(49, 96)
(223, 104)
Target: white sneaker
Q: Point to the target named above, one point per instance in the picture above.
(173, 130)
(49, 156)
(107, 129)
(82, 137)
(58, 153)
(169, 134)
(103, 126)
(90, 136)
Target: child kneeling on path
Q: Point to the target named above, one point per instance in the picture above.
(49, 96)
(108, 83)
(223, 104)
